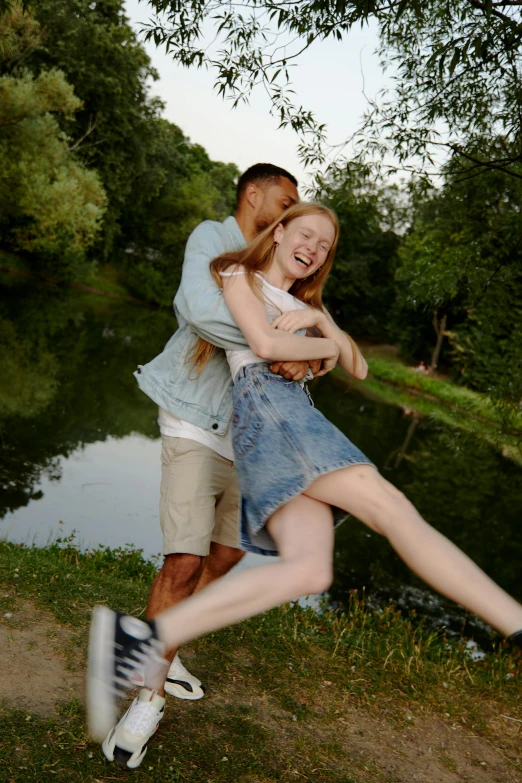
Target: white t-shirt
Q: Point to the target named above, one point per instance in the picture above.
(277, 302)
(177, 428)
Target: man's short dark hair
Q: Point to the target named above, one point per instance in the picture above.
(262, 174)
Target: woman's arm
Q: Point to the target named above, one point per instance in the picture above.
(269, 343)
(350, 357)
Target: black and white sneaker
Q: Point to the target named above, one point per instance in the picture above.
(118, 645)
(126, 743)
(182, 684)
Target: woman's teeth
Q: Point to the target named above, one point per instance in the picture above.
(303, 261)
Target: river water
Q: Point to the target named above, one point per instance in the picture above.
(80, 450)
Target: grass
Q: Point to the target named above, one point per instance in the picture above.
(106, 279)
(393, 371)
(509, 445)
(294, 694)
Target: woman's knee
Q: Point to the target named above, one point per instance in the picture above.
(389, 508)
(311, 576)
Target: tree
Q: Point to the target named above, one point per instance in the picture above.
(360, 291)
(97, 50)
(180, 188)
(50, 204)
(457, 68)
(20, 33)
(462, 261)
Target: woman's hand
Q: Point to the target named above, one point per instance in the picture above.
(327, 365)
(294, 320)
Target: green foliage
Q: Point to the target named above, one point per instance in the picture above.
(456, 68)
(361, 290)
(181, 187)
(20, 33)
(463, 257)
(101, 58)
(49, 203)
(75, 80)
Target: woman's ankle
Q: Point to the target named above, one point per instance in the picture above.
(516, 638)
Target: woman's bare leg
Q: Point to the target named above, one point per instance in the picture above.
(303, 532)
(362, 491)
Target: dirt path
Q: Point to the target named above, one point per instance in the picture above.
(39, 670)
(35, 669)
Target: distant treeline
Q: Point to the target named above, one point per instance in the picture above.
(91, 174)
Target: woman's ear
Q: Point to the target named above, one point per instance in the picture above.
(278, 234)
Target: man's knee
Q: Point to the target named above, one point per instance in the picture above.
(222, 558)
(181, 568)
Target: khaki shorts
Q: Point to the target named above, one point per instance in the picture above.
(199, 498)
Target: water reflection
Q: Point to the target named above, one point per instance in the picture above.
(107, 494)
(79, 444)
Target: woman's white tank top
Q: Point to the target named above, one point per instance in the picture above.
(276, 301)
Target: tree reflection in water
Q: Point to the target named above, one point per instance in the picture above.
(458, 482)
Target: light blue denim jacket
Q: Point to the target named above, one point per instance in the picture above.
(200, 310)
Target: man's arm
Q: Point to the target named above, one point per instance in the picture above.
(199, 300)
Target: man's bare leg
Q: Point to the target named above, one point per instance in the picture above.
(182, 575)
(220, 561)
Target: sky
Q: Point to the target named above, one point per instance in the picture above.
(332, 79)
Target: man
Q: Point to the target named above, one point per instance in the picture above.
(199, 506)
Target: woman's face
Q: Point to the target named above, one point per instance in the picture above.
(303, 245)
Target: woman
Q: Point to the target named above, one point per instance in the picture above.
(296, 471)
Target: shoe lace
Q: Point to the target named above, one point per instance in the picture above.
(142, 718)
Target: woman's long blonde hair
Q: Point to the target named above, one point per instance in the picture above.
(257, 257)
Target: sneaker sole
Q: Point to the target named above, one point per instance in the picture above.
(182, 693)
(120, 756)
(101, 702)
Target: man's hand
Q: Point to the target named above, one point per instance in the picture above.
(316, 365)
(293, 371)
(327, 365)
(296, 371)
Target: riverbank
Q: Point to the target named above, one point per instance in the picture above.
(106, 280)
(293, 694)
(385, 366)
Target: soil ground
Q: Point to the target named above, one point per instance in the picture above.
(38, 673)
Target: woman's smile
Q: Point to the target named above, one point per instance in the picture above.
(302, 247)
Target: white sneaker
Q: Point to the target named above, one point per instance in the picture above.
(182, 684)
(126, 743)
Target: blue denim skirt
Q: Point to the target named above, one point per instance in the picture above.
(281, 445)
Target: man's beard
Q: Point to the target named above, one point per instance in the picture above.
(263, 220)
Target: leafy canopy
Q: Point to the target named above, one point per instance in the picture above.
(456, 69)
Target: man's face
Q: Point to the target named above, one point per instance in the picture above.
(275, 199)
